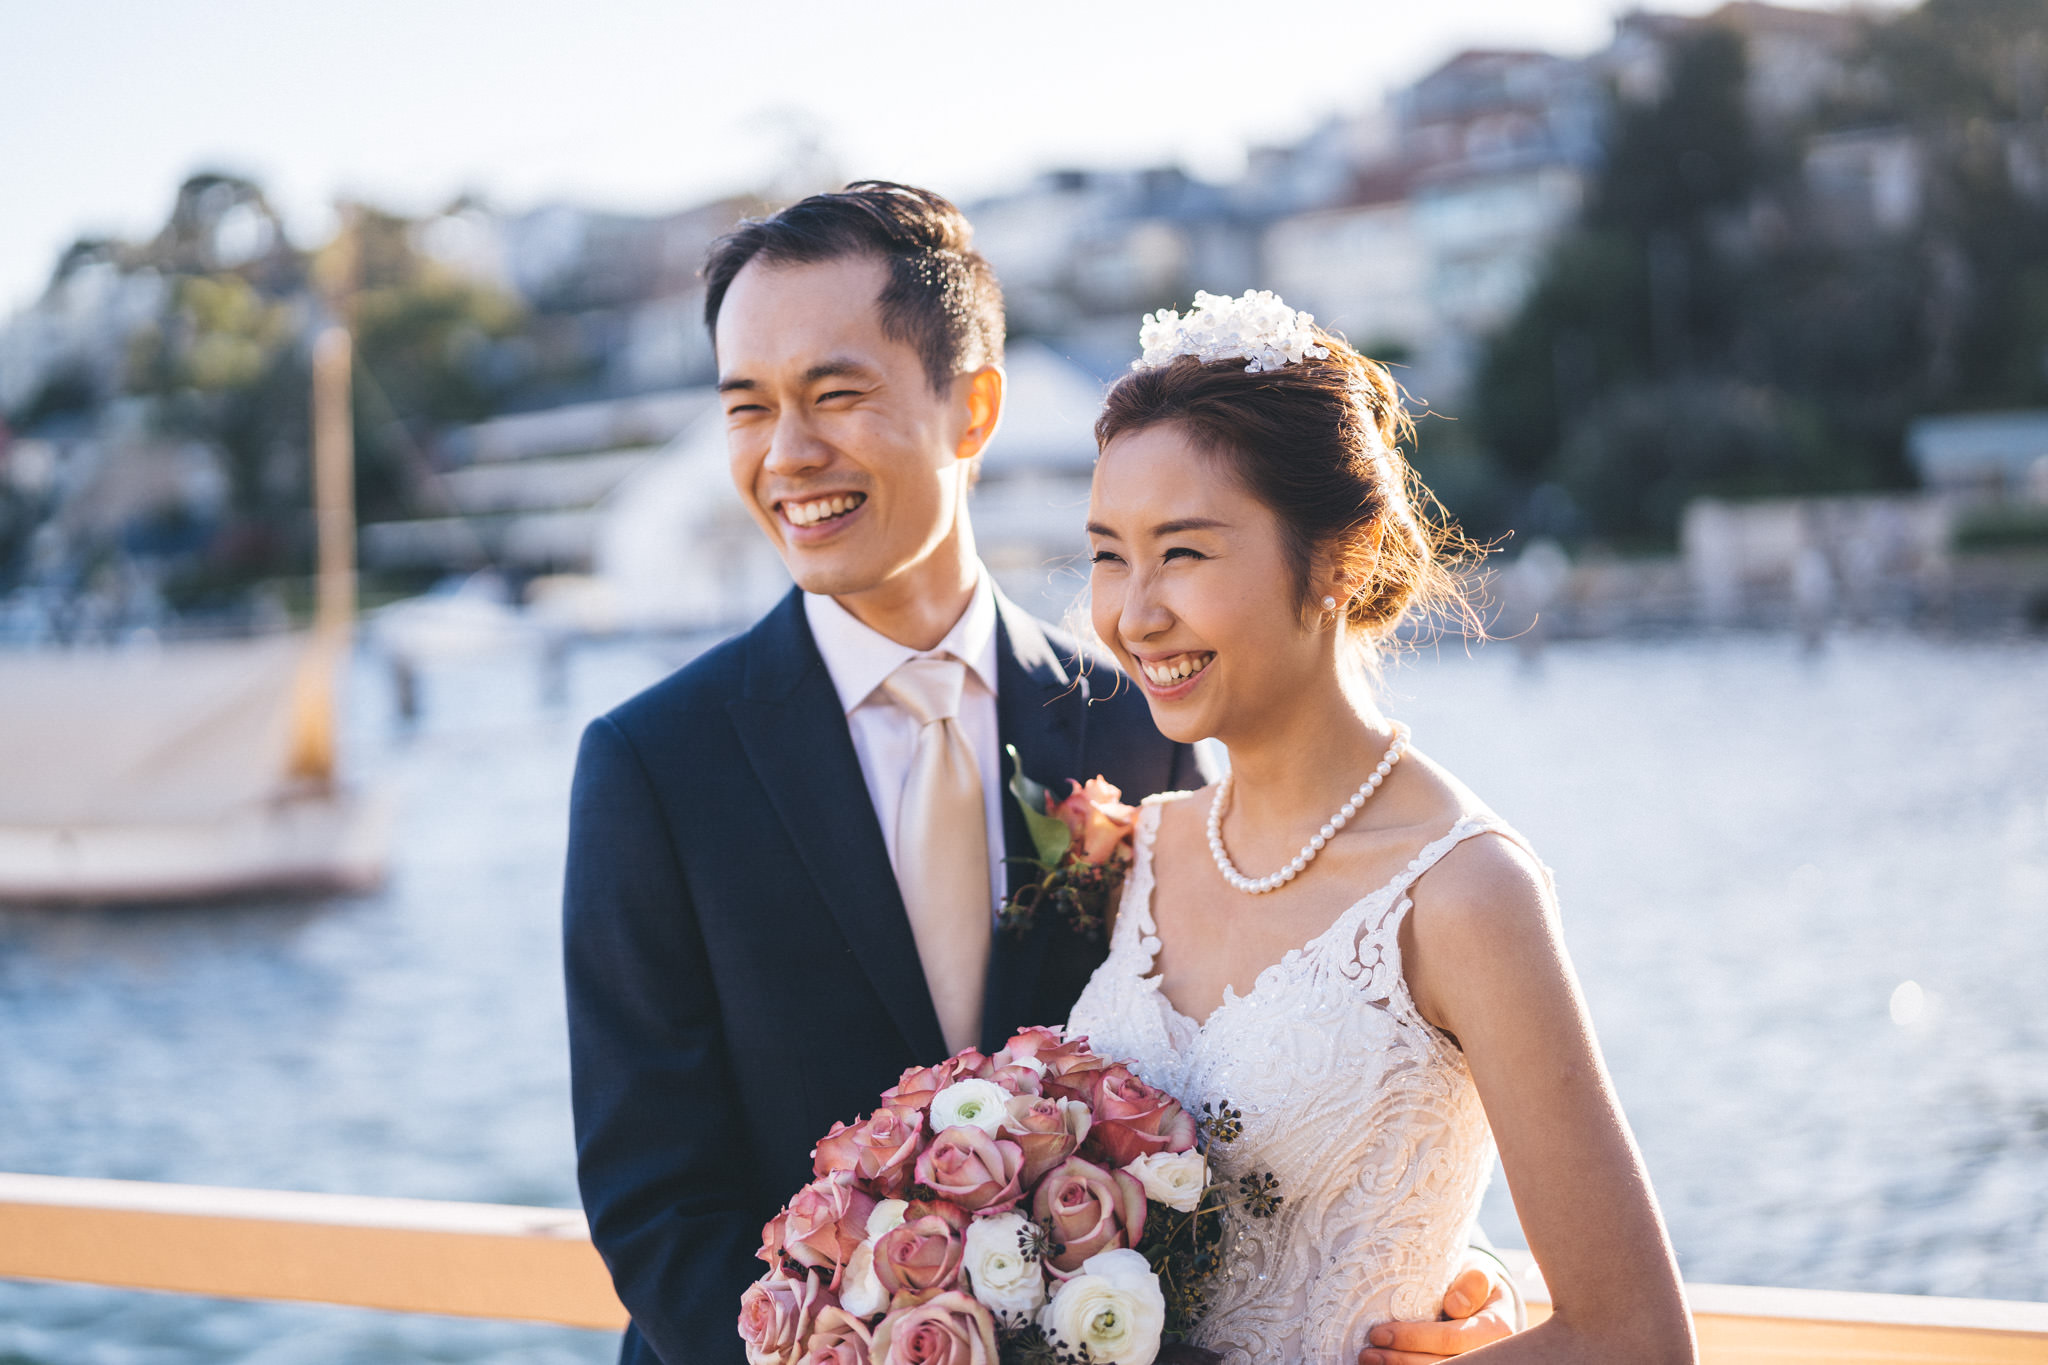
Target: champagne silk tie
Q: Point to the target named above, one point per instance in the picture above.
(942, 847)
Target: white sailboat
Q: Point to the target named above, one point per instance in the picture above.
(197, 770)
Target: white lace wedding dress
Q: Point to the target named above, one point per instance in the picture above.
(1364, 1113)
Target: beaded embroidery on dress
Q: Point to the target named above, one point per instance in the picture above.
(1365, 1113)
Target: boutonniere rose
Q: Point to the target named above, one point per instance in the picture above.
(1082, 846)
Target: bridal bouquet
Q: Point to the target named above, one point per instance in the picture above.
(1083, 847)
(1043, 1206)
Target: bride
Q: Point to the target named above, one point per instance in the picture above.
(1338, 939)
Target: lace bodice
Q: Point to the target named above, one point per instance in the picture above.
(1364, 1113)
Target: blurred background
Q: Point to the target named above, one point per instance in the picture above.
(1726, 325)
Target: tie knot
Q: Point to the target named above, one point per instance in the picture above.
(929, 689)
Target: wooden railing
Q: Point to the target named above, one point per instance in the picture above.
(535, 1264)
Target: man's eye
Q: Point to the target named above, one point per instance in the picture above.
(741, 409)
(838, 393)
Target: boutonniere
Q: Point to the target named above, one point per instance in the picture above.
(1082, 846)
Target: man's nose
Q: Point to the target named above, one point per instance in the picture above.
(795, 448)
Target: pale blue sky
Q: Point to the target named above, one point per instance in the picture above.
(106, 104)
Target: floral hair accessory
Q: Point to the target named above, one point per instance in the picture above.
(1256, 326)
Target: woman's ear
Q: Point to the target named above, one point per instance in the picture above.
(985, 390)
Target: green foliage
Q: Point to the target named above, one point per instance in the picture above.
(1703, 331)
(1633, 462)
(2004, 528)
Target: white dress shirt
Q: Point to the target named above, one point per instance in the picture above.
(859, 658)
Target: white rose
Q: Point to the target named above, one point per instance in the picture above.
(1175, 1179)
(970, 1104)
(1112, 1310)
(860, 1289)
(1008, 1283)
(886, 1217)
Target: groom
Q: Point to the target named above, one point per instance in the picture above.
(785, 858)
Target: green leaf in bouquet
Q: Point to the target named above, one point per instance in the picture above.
(1049, 834)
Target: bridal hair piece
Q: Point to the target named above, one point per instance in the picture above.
(1255, 326)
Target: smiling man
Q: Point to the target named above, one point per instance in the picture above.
(784, 859)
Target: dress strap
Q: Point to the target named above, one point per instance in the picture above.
(1371, 950)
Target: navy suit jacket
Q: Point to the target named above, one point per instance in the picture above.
(741, 972)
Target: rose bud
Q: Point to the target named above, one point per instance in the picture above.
(949, 1329)
(839, 1338)
(965, 1166)
(825, 1222)
(1088, 1210)
(774, 1238)
(1133, 1119)
(1046, 1130)
(1099, 821)
(776, 1316)
(923, 1253)
(879, 1151)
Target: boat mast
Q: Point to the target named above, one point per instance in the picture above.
(334, 520)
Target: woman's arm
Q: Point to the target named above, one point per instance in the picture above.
(1485, 962)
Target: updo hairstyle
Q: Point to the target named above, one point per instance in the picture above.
(1318, 441)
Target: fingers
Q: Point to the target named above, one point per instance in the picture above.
(1471, 1291)
(1398, 1342)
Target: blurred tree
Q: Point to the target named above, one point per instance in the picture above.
(1701, 274)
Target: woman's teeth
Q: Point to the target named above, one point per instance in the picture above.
(1180, 668)
(821, 509)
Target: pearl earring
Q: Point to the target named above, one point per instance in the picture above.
(1329, 604)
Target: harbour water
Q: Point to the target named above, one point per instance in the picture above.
(1808, 897)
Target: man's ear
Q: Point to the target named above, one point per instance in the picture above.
(985, 389)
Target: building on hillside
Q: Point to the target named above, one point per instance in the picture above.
(1082, 253)
(1864, 183)
(1435, 244)
(1978, 457)
(524, 493)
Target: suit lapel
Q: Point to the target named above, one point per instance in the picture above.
(1041, 710)
(795, 734)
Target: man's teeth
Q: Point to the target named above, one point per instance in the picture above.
(821, 509)
(1177, 669)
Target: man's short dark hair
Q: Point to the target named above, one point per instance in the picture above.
(941, 296)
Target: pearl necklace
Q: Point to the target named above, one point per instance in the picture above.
(1255, 886)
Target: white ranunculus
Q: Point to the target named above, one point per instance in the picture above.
(1175, 1179)
(970, 1104)
(1112, 1308)
(1009, 1284)
(886, 1217)
(860, 1290)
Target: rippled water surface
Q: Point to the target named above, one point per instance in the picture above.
(1756, 851)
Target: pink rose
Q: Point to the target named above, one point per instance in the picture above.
(825, 1222)
(947, 1329)
(776, 1315)
(966, 1166)
(1132, 1119)
(839, 1338)
(1046, 1130)
(879, 1151)
(1088, 1209)
(1099, 821)
(1068, 1063)
(920, 1083)
(923, 1253)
